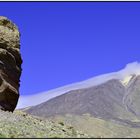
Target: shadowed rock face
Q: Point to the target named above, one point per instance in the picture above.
(10, 64)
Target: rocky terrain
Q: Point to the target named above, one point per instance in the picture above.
(23, 125)
(10, 64)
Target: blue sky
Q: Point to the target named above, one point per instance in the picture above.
(66, 42)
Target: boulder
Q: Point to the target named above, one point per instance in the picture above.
(10, 64)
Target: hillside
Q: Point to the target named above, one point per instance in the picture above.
(23, 125)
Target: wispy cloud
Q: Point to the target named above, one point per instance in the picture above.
(30, 100)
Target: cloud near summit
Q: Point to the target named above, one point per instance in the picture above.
(30, 100)
(131, 68)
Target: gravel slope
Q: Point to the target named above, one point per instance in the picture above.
(22, 125)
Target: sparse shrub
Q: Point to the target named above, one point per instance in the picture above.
(61, 123)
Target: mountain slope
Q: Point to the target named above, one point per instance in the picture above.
(104, 101)
(132, 97)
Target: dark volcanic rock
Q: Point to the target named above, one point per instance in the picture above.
(10, 64)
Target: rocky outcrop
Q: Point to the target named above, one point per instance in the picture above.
(10, 64)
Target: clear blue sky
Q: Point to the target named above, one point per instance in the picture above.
(66, 42)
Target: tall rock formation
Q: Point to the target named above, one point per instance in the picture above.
(10, 64)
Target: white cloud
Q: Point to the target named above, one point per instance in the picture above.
(30, 100)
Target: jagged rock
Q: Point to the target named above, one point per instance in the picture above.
(10, 64)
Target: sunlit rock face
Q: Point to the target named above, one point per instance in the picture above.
(10, 64)
(132, 98)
